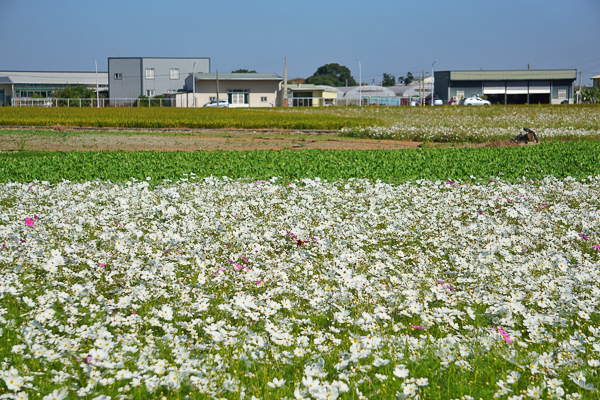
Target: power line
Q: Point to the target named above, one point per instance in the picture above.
(585, 62)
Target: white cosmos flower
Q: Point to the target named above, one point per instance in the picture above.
(166, 312)
(400, 371)
(277, 383)
(56, 395)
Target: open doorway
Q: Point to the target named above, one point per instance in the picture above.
(539, 98)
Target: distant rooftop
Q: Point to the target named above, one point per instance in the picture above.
(5, 79)
(56, 77)
(310, 86)
(534, 74)
(238, 76)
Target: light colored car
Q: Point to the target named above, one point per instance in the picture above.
(475, 101)
(436, 101)
(222, 103)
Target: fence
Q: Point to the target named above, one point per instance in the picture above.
(381, 101)
(311, 102)
(171, 102)
(54, 102)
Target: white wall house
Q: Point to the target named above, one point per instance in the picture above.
(242, 90)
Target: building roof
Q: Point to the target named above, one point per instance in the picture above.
(369, 90)
(5, 79)
(202, 76)
(55, 77)
(309, 86)
(595, 77)
(159, 58)
(500, 75)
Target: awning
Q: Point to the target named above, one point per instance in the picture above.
(494, 87)
(539, 87)
(516, 87)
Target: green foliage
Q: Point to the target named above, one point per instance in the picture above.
(406, 79)
(243, 71)
(560, 159)
(332, 75)
(75, 92)
(388, 80)
(145, 101)
(590, 94)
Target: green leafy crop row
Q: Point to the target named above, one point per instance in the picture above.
(560, 159)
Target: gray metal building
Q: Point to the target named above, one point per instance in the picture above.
(130, 77)
(27, 84)
(545, 86)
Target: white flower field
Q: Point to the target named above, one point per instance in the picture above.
(356, 289)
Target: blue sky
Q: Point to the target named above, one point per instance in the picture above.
(386, 36)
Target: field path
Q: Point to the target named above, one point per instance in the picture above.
(188, 140)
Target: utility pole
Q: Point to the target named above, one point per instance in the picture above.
(98, 94)
(218, 104)
(433, 82)
(528, 67)
(285, 89)
(579, 95)
(193, 85)
(359, 84)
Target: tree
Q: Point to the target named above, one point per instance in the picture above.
(332, 75)
(589, 93)
(388, 80)
(243, 71)
(75, 92)
(408, 79)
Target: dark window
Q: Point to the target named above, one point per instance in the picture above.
(118, 76)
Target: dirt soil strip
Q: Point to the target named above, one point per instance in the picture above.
(105, 141)
(61, 128)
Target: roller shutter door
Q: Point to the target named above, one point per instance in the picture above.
(516, 87)
(494, 87)
(539, 87)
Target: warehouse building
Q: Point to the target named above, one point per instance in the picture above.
(131, 77)
(551, 86)
(15, 85)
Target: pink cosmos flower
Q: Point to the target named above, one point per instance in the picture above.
(89, 360)
(259, 282)
(584, 236)
(596, 247)
(35, 216)
(101, 265)
(504, 334)
(419, 327)
(29, 221)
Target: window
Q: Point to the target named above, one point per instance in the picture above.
(263, 99)
(562, 94)
(149, 73)
(118, 76)
(238, 96)
(212, 98)
(174, 73)
(150, 92)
